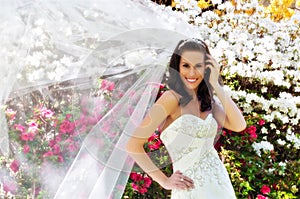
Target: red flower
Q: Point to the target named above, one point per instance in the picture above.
(261, 122)
(135, 186)
(136, 176)
(67, 127)
(252, 132)
(142, 190)
(26, 149)
(259, 196)
(154, 142)
(14, 166)
(147, 182)
(223, 132)
(265, 189)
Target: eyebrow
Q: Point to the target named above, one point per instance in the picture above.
(183, 62)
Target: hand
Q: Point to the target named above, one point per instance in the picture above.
(214, 68)
(178, 181)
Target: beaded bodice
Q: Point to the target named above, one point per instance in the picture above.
(189, 141)
(189, 135)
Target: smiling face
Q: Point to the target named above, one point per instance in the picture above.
(192, 68)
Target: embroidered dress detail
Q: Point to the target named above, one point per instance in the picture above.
(189, 141)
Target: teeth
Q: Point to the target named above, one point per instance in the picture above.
(191, 80)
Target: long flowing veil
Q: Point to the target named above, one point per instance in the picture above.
(53, 41)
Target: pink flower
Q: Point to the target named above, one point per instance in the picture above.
(14, 166)
(223, 132)
(147, 182)
(265, 189)
(33, 126)
(26, 149)
(60, 158)
(134, 186)
(252, 132)
(10, 186)
(136, 176)
(52, 143)
(154, 142)
(68, 116)
(19, 127)
(259, 196)
(67, 127)
(142, 190)
(56, 149)
(10, 113)
(48, 154)
(27, 136)
(107, 85)
(46, 113)
(261, 122)
(253, 136)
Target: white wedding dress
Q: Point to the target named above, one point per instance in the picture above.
(189, 141)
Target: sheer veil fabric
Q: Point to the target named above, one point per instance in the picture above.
(81, 40)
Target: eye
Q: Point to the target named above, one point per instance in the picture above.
(185, 65)
(198, 65)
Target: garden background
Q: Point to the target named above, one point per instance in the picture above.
(256, 43)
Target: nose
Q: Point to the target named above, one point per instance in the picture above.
(192, 71)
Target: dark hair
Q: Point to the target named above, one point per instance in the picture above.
(204, 92)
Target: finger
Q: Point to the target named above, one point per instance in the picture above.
(187, 179)
(189, 184)
(178, 172)
(180, 185)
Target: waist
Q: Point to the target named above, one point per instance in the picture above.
(195, 157)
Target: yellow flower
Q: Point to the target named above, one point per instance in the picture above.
(279, 9)
(203, 4)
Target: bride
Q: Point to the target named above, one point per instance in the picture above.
(189, 117)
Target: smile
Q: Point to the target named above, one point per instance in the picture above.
(191, 80)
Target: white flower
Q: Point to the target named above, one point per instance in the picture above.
(282, 164)
(264, 89)
(264, 130)
(273, 126)
(216, 2)
(281, 142)
(264, 145)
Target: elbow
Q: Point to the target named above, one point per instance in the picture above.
(242, 126)
(129, 147)
(133, 146)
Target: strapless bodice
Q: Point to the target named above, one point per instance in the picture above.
(189, 141)
(189, 136)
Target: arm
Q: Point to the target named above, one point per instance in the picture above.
(230, 115)
(165, 105)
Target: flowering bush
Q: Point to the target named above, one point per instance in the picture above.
(46, 138)
(260, 61)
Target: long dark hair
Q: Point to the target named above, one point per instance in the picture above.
(204, 92)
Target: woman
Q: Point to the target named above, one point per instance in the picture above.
(189, 117)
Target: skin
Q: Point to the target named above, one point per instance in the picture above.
(166, 110)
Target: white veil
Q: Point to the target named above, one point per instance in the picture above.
(55, 41)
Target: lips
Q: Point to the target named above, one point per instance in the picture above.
(191, 80)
